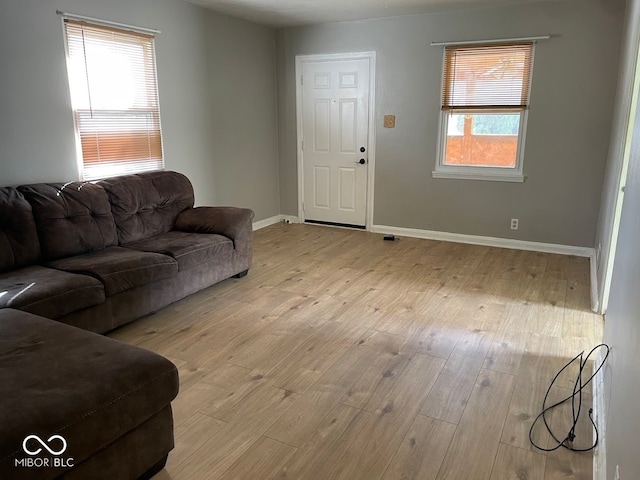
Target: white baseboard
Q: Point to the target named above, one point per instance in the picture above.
(470, 239)
(600, 418)
(273, 220)
(486, 241)
(267, 221)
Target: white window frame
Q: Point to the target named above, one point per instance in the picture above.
(470, 172)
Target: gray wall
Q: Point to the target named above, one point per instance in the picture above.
(622, 330)
(212, 71)
(605, 243)
(572, 98)
(622, 325)
(242, 79)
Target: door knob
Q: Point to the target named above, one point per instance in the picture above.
(362, 149)
(362, 161)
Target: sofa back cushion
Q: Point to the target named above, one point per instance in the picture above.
(19, 244)
(147, 204)
(71, 218)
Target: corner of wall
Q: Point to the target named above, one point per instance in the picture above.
(595, 290)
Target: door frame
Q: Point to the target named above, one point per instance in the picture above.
(630, 110)
(371, 134)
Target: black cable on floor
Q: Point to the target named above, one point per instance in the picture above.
(575, 398)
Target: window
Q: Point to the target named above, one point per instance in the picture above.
(114, 94)
(485, 96)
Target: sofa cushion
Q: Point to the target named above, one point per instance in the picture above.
(19, 244)
(71, 218)
(188, 249)
(89, 389)
(120, 269)
(147, 204)
(48, 292)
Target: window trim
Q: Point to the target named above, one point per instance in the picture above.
(469, 172)
(487, 173)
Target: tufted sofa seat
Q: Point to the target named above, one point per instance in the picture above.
(99, 255)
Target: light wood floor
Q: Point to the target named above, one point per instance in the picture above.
(341, 356)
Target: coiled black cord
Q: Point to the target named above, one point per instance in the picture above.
(575, 397)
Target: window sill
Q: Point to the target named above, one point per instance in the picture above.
(491, 177)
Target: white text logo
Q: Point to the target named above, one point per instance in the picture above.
(55, 445)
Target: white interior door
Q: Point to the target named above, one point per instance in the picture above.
(335, 116)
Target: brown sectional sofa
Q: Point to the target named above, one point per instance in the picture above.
(108, 400)
(96, 256)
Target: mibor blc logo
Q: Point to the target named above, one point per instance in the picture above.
(44, 454)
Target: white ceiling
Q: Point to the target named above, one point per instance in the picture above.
(286, 13)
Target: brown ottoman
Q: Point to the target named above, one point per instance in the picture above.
(74, 404)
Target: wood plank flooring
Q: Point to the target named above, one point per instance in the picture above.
(342, 356)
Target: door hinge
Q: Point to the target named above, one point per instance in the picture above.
(301, 80)
(302, 145)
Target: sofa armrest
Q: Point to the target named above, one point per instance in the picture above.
(232, 222)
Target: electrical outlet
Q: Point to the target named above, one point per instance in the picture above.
(617, 477)
(514, 223)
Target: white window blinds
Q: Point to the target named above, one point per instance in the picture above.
(114, 92)
(487, 76)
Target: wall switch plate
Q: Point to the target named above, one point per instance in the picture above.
(617, 477)
(514, 223)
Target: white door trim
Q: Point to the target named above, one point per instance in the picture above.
(371, 140)
(631, 102)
